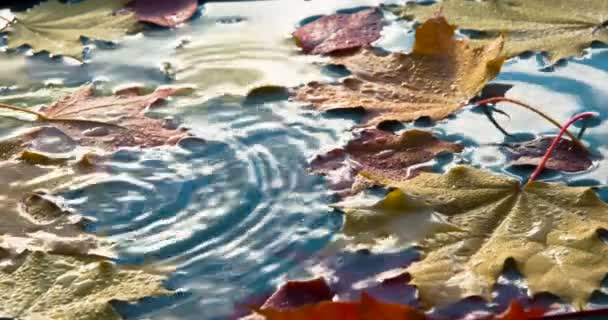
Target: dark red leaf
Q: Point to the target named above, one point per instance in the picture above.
(338, 32)
(294, 294)
(165, 13)
(567, 156)
(517, 312)
(382, 154)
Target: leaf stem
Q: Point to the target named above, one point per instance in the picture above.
(43, 117)
(8, 22)
(40, 116)
(556, 140)
(535, 110)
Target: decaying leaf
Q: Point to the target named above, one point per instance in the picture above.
(567, 156)
(561, 28)
(549, 230)
(164, 13)
(110, 122)
(339, 32)
(383, 153)
(366, 309)
(436, 79)
(57, 27)
(37, 285)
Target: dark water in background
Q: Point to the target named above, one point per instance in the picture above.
(238, 214)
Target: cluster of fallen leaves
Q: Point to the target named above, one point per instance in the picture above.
(466, 223)
(50, 267)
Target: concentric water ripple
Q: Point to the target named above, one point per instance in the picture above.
(234, 213)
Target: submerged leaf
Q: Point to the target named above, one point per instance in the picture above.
(549, 230)
(38, 285)
(567, 156)
(339, 32)
(164, 13)
(436, 79)
(57, 27)
(562, 28)
(381, 153)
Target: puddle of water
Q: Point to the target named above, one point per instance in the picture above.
(238, 213)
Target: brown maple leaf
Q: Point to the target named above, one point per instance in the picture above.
(439, 77)
(107, 122)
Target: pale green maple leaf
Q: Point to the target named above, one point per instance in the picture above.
(57, 28)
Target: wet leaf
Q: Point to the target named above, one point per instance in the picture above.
(111, 122)
(57, 28)
(435, 80)
(517, 312)
(340, 32)
(164, 13)
(561, 28)
(37, 285)
(33, 218)
(295, 294)
(382, 153)
(567, 156)
(549, 230)
(366, 309)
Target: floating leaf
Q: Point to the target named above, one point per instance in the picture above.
(110, 122)
(295, 294)
(340, 32)
(562, 28)
(381, 153)
(164, 13)
(567, 156)
(517, 312)
(549, 230)
(367, 309)
(57, 28)
(38, 285)
(436, 79)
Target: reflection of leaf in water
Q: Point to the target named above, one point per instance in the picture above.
(235, 63)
